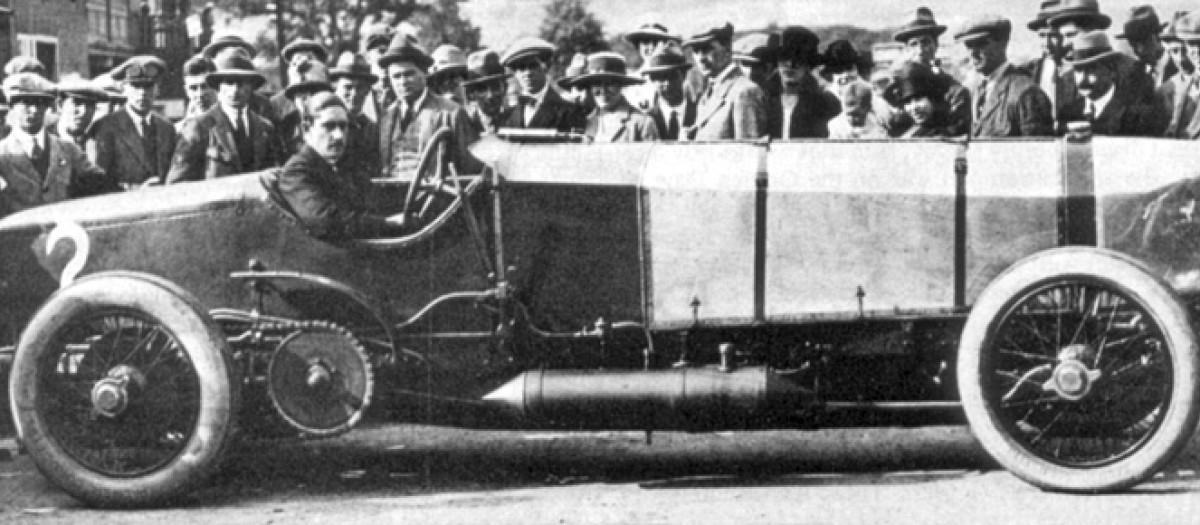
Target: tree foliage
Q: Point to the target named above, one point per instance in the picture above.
(572, 28)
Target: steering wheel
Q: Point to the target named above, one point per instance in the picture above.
(430, 175)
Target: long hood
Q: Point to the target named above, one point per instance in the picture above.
(153, 202)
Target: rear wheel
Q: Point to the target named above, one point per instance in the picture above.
(1078, 371)
(123, 391)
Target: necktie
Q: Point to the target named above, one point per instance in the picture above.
(242, 137)
(982, 100)
(673, 126)
(1089, 109)
(407, 119)
(41, 161)
(528, 108)
(151, 144)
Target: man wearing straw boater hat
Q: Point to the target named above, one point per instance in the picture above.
(410, 122)
(485, 87)
(614, 119)
(135, 145)
(920, 34)
(536, 104)
(36, 167)
(673, 110)
(1109, 107)
(229, 139)
(352, 80)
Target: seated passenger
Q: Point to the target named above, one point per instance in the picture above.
(1104, 102)
(920, 93)
(674, 109)
(319, 184)
(614, 119)
(858, 120)
(802, 109)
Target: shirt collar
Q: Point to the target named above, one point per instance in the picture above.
(138, 119)
(233, 114)
(726, 72)
(416, 105)
(540, 96)
(997, 73)
(1099, 105)
(27, 140)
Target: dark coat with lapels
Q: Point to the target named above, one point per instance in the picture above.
(1013, 106)
(117, 148)
(553, 112)
(330, 200)
(207, 149)
(69, 175)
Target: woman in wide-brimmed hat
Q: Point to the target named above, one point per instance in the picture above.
(614, 119)
(920, 93)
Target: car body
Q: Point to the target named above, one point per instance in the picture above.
(682, 286)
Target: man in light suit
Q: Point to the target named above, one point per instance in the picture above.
(135, 145)
(733, 107)
(1184, 102)
(229, 138)
(409, 123)
(614, 119)
(35, 166)
(1007, 103)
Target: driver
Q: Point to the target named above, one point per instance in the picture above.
(317, 183)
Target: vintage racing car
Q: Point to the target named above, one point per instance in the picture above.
(1046, 288)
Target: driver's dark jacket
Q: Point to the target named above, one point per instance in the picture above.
(331, 202)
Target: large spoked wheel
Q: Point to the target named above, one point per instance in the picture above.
(123, 393)
(1078, 371)
(430, 178)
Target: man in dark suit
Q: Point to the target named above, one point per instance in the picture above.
(228, 139)
(485, 87)
(352, 80)
(920, 34)
(733, 106)
(1104, 103)
(307, 80)
(1007, 103)
(801, 109)
(672, 110)
(1050, 71)
(227, 44)
(1143, 31)
(77, 100)
(36, 167)
(1072, 18)
(297, 56)
(409, 123)
(537, 105)
(135, 145)
(320, 185)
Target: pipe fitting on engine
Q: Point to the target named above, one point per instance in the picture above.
(726, 351)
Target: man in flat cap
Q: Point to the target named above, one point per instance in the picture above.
(920, 34)
(1184, 122)
(614, 119)
(409, 123)
(35, 166)
(1050, 71)
(77, 99)
(733, 106)
(1006, 101)
(1104, 103)
(229, 139)
(352, 80)
(485, 87)
(536, 105)
(1074, 17)
(674, 110)
(321, 184)
(135, 145)
(802, 109)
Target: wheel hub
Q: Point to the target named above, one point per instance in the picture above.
(110, 396)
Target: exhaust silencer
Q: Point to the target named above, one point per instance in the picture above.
(675, 399)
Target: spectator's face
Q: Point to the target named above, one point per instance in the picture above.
(326, 133)
(711, 57)
(1175, 51)
(668, 84)
(344, 22)
(450, 85)
(986, 54)
(919, 108)
(1094, 80)
(1069, 31)
(139, 96)
(530, 74)
(646, 48)
(922, 49)
(29, 114)
(1052, 42)
(352, 91)
(234, 93)
(1148, 49)
(1193, 51)
(198, 93)
(606, 93)
(407, 80)
(792, 72)
(77, 114)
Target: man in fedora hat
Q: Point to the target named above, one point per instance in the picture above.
(1178, 63)
(1184, 122)
(224, 45)
(200, 97)
(1006, 102)
(408, 124)
(1050, 71)
(733, 106)
(296, 55)
(1104, 103)
(647, 40)
(1074, 17)
(614, 119)
(802, 108)
(321, 184)
(229, 139)
(536, 104)
(352, 80)
(375, 42)
(135, 145)
(920, 34)
(447, 73)
(1143, 32)
(77, 99)
(36, 167)
(485, 88)
(311, 78)
(673, 109)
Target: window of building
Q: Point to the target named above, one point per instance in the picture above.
(42, 47)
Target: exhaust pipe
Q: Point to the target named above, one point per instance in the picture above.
(676, 399)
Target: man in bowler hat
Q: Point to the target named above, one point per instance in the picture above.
(733, 107)
(1006, 101)
(135, 145)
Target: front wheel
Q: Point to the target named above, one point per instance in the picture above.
(1078, 371)
(123, 393)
